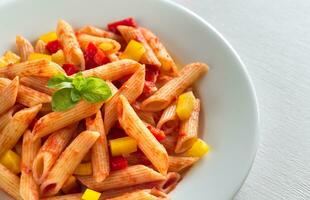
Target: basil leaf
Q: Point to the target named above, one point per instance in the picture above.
(56, 81)
(79, 82)
(96, 90)
(61, 100)
(75, 95)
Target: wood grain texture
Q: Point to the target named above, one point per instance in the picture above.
(273, 40)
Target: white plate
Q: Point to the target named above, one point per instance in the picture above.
(230, 115)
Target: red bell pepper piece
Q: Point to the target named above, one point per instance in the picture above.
(53, 46)
(100, 58)
(70, 69)
(94, 57)
(151, 73)
(158, 134)
(118, 162)
(126, 22)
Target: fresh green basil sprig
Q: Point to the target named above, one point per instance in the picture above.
(70, 90)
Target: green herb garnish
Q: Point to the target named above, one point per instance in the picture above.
(70, 90)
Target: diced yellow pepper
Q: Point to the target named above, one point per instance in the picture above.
(36, 56)
(3, 62)
(134, 51)
(185, 105)
(58, 57)
(106, 46)
(48, 37)
(11, 58)
(123, 146)
(84, 169)
(91, 195)
(11, 160)
(70, 185)
(198, 149)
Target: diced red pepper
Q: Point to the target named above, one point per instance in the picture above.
(158, 134)
(100, 58)
(70, 69)
(126, 22)
(53, 46)
(151, 73)
(149, 88)
(94, 57)
(118, 162)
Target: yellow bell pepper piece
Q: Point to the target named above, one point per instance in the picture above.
(185, 105)
(11, 58)
(11, 160)
(58, 57)
(3, 62)
(134, 51)
(83, 169)
(36, 56)
(106, 46)
(48, 37)
(198, 149)
(91, 195)
(123, 146)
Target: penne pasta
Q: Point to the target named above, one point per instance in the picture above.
(57, 120)
(67, 162)
(112, 87)
(24, 47)
(50, 151)
(8, 95)
(115, 70)
(71, 48)
(113, 57)
(70, 186)
(131, 89)
(40, 47)
(9, 183)
(169, 143)
(169, 120)
(169, 183)
(135, 128)
(84, 39)
(133, 175)
(166, 94)
(188, 132)
(147, 117)
(168, 66)
(137, 195)
(131, 33)
(37, 83)
(76, 196)
(27, 96)
(91, 30)
(40, 68)
(28, 187)
(11, 133)
(100, 151)
(177, 164)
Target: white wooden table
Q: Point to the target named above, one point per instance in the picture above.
(273, 39)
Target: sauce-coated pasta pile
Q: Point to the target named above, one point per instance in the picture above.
(96, 114)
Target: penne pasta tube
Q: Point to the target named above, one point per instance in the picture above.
(24, 47)
(71, 48)
(84, 39)
(6, 117)
(188, 132)
(169, 120)
(67, 162)
(131, 33)
(166, 94)
(170, 182)
(9, 183)
(50, 151)
(112, 87)
(8, 95)
(136, 195)
(95, 31)
(177, 164)
(133, 175)
(113, 57)
(76, 196)
(70, 186)
(40, 47)
(168, 66)
(27, 96)
(136, 129)
(100, 151)
(131, 89)
(37, 83)
(57, 120)
(28, 187)
(11, 133)
(147, 117)
(115, 70)
(169, 143)
(39, 67)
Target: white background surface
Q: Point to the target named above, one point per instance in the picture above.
(272, 37)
